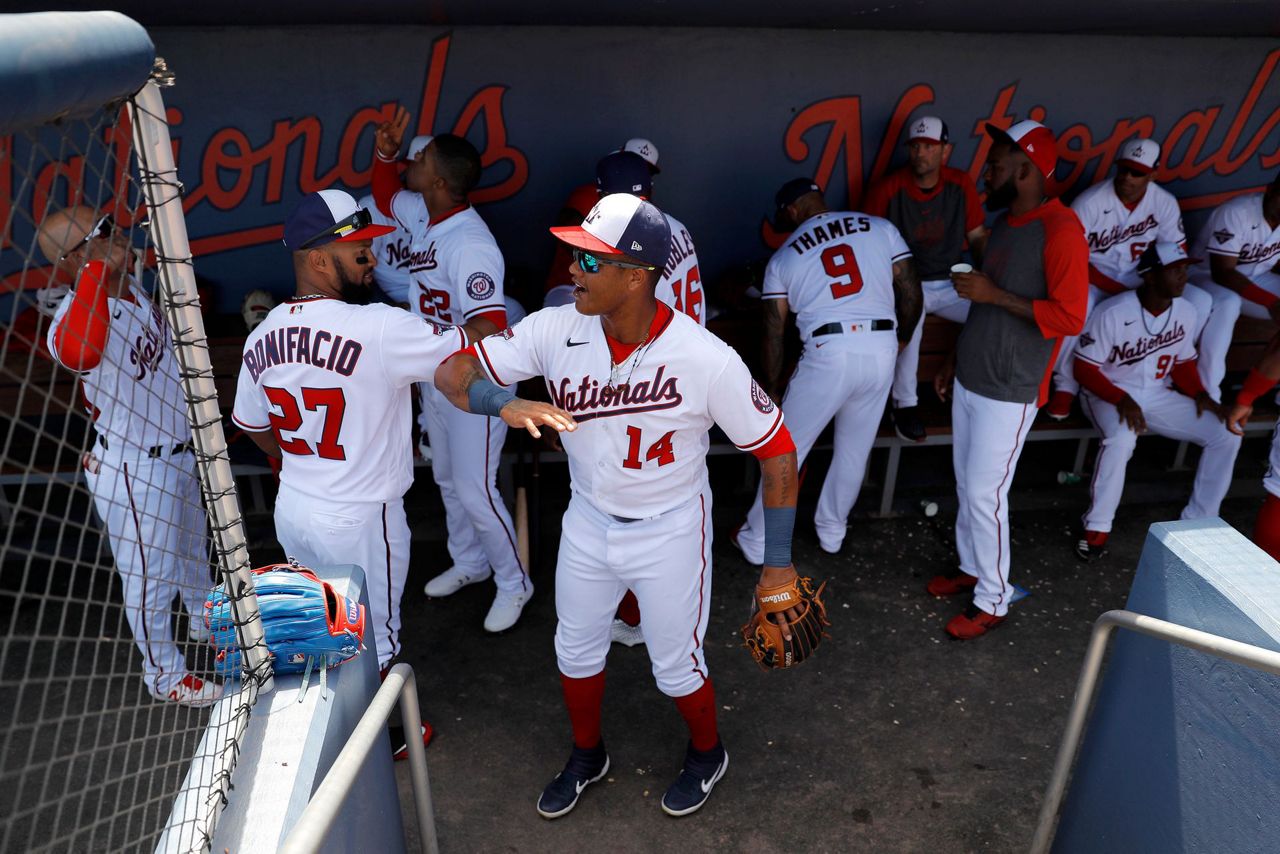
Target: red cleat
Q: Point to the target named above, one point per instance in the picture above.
(1091, 545)
(973, 623)
(400, 748)
(1059, 405)
(951, 585)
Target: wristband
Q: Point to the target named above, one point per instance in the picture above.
(778, 525)
(1255, 385)
(485, 398)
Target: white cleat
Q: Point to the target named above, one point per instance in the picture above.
(626, 635)
(451, 581)
(506, 609)
(193, 691)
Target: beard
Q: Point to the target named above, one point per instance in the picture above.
(1001, 197)
(353, 290)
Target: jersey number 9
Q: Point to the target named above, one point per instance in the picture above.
(839, 262)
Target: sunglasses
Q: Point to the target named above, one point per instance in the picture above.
(1125, 171)
(591, 264)
(358, 220)
(102, 229)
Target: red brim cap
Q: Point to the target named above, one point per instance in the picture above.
(576, 235)
(1035, 140)
(1140, 168)
(367, 233)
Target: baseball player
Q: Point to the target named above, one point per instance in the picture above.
(681, 284)
(1121, 218)
(559, 287)
(1133, 346)
(1241, 240)
(1032, 291)
(1264, 375)
(393, 249)
(324, 384)
(636, 386)
(457, 272)
(141, 471)
(937, 210)
(850, 279)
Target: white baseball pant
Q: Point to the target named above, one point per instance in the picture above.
(465, 452)
(665, 560)
(155, 522)
(846, 377)
(988, 436)
(1064, 378)
(373, 535)
(940, 298)
(1169, 414)
(1228, 305)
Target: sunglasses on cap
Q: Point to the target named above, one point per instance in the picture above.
(591, 264)
(340, 229)
(102, 229)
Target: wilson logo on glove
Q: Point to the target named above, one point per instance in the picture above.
(763, 636)
(307, 624)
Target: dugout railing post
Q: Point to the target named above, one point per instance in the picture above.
(1268, 661)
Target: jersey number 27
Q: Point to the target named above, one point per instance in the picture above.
(839, 262)
(331, 400)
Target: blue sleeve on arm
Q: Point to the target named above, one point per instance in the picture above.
(486, 398)
(778, 525)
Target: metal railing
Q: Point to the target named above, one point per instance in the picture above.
(313, 826)
(1255, 657)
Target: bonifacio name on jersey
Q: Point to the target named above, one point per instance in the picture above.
(826, 231)
(301, 344)
(1101, 241)
(598, 401)
(1129, 351)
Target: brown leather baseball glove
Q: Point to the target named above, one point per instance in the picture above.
(763, 635)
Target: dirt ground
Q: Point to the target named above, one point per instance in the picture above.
(894, 738)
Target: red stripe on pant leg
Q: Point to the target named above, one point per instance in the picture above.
(702, 582)
(142, 556)
(386, 542)
(1008, 465)
(488, 493)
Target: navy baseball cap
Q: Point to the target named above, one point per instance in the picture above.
(622, 224)
(327, 216)
(793, 190)
(1163, 254)
(624, 172)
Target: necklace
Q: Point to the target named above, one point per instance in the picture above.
(615, 368)
(1168, 315)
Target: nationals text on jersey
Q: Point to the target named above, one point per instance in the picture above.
(824, 231)
(299, 344)
(595, 402)
(1130, 352)
(419, 260)
(1101, 241)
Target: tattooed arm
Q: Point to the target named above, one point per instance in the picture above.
(908, 299)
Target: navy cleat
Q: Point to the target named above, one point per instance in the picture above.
(702, 770)
(584, 768)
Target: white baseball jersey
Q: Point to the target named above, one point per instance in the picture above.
(393, 250)
(1238, 229)
(681, 284)
(133, 393)
(641, 444)
(1117, 236)
(1135, 350)
(456, 265)
(836, 267)
(331, 380)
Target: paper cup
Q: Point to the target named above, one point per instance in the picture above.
(962, 268)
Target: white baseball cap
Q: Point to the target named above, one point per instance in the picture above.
(1140, 155)
(622, 224)
(930, 129)
(645, 149)
(1034, 139)
(1163, 254)
(417, 144)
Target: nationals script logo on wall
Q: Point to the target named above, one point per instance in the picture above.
(229, 163)
(836, 126)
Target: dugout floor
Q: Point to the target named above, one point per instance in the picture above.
(894, 738)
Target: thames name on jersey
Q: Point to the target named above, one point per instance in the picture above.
(1101, 241)
(302, 345)
(824, 232)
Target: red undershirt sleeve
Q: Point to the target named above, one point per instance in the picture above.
(386, 182)
(780, 444)
(1090, 376)
(498, 317)
(1105, 282)
(1187, 378)
(81, 335)
(1066, 272)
